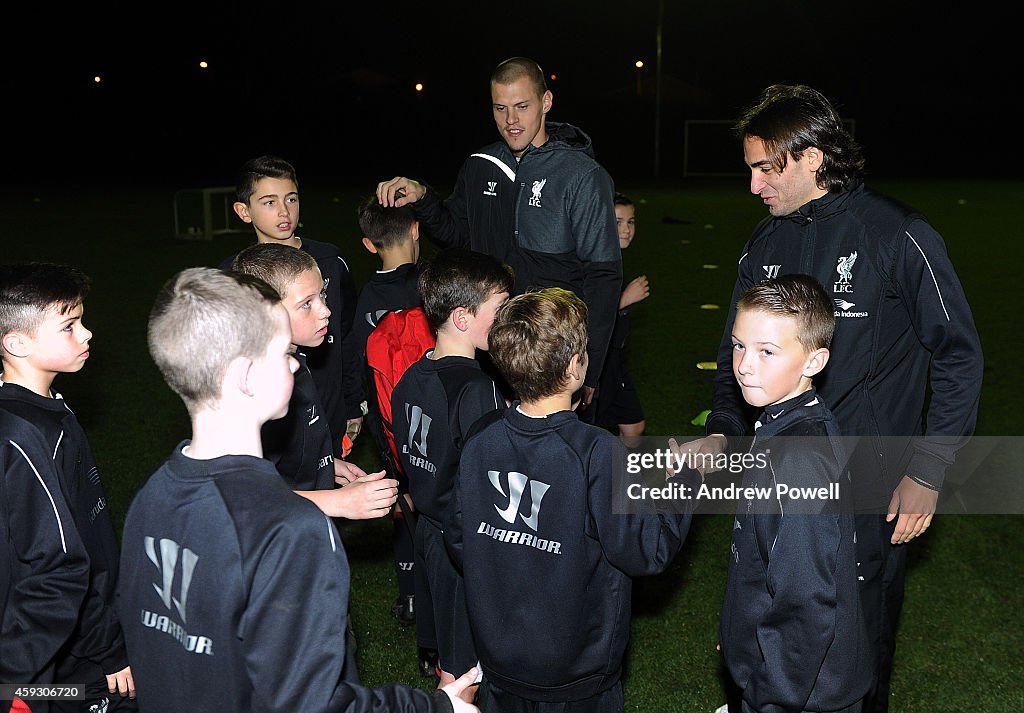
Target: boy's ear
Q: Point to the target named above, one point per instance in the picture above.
(15, 344)
(415, 230)
(575, 370)
(368, 244)
(238, 377)
(460, 318)
(242, 211)
(816, 361)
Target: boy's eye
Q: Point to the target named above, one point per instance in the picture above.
(737, 347)
(767, 352)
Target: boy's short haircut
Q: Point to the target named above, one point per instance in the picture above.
(515, 68)
(202, 319)
(277, 265)
(623, 199)
(28, 290)
(457, 277)
(533, 338)
(385, 227)
(262, 167)
(799, 296)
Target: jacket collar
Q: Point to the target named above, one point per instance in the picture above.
(828, 205)
(777, 417)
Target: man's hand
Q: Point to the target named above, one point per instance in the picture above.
(638, 289)
(588, 396)
(399, 191)
(121, 682)
(915, 505)
(462, 691)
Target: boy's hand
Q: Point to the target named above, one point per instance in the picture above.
(345, 472)
(399, 191)
(121, 682)
(365, 497)
(638, 289)
(462, 691)
(704, 451)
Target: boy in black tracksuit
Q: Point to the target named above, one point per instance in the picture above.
(792, 630)
(43, 336)
(299, 443)
(235, 589)
(44, 569)
(548, 563)
(393, 234)
(433, 407)
(268, 199)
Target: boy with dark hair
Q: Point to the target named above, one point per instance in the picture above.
(267, 197)
(618, 403)
(549, 563)
(393, 235)
(41, 307)
(792, 630)
(299, 443)
(433, 406)
(44, 570)
(236, 589)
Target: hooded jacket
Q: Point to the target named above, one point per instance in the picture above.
(550, 216)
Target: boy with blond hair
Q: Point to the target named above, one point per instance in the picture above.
(792, 630)
(549, 560)
(41, 309)
(235, 588)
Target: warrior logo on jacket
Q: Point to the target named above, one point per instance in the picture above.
(516, 486)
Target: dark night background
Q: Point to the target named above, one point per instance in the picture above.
(329, 85)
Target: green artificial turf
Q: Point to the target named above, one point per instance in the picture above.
(961, 642)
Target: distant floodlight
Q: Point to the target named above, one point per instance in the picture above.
(639, 64)
(203, 64)
(97, 79)
(419, 87)
(554, 77)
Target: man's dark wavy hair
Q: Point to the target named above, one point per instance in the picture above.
(789, 119)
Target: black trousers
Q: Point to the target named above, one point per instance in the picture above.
(882, 568)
